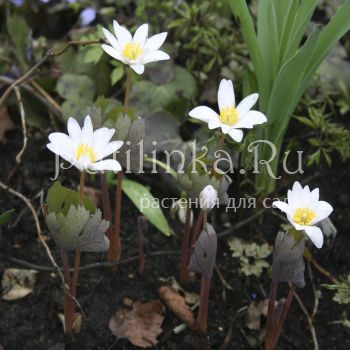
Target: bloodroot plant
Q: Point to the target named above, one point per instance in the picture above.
(304, 210)
(133, 51)
(74, 223)
(204, 256)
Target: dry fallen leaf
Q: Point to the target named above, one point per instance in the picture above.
(141, 325)
(177, 304)
(6, 122)
(254, 313)
(17, 283)
(190, 298)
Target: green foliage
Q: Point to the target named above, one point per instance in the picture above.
(117, 74)
(328, 137)
(78, 91)
(200, 30)
(251, 256)
(19, 32)
(283, 70)
(342, 291)
(59, 199)
(146, 203)
(6, 216)
(174, 97)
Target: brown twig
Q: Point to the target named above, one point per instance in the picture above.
(242, 223)
(48, 55)
(27, 75)
(309, 321)
(308, 256)
(41, 239)
(125, 261)
(33, 92)
(45, 95)
(224, 283)
(24, 132)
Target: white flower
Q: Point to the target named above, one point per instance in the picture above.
(134, 51)
(180, 207)
(208, 198)
(85, 148)
(304, 210)
(231, 118)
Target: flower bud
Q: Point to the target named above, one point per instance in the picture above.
(208, 198)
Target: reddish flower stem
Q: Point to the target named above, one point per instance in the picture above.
(106, 203)
(284, 314)
(76, 273)
(196, 230)
(270, 317)
(127, 89)
(202, 318)
(115, 243)
(68, 316)
(275, 320)
(184, 248)
(141, 254)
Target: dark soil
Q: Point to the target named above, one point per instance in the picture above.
(32, 322)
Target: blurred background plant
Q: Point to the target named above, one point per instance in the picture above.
(205, 43)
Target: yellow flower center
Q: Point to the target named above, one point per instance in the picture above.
(132, 50)
(85, 150)
(303, 216)
(229, 116)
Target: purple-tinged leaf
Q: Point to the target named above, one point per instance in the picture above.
(204, 255)
(288, 262)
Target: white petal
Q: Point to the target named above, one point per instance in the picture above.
(122, 34)
(315, 234)
(315, 195)
(111, 38)
(87, 131)
(214, 123)
(138, 68)
(283, 206)
(108, 164)
(59, 138)
(109, 149)
(74, 130)
(292, 199)
(297, 186)
(249, 119)
(83, 163)
(61, 151)
(297, 226)
(204, 113)
(247, 103)
(140, 35)
(237, 135)
(112, 51)
(295, 195)
(226, 94)
(154, 56)
(225, 128)
(101, 138)
(323, 210)
(155, 42)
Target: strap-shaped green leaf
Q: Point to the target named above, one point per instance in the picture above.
(6, 216)
(146, 203)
